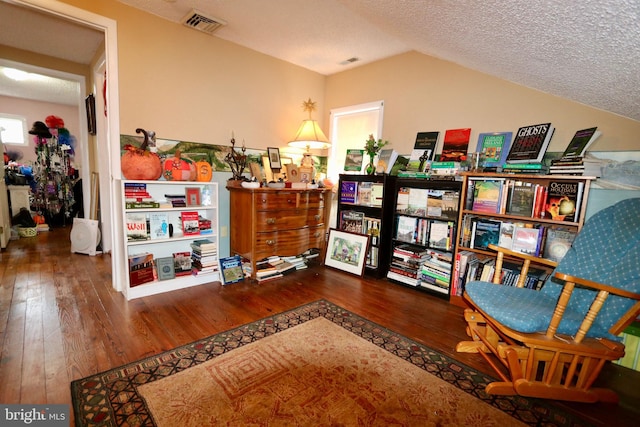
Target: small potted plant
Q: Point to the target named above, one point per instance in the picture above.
(372, 147)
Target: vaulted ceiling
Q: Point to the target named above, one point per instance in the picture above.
(587, 51)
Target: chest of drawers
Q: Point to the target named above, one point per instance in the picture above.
(266, 221)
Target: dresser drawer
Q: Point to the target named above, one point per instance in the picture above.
(316, 237)
(285, 243)
(279, 200)
(281, 220)
(315, 217)
(316, 200)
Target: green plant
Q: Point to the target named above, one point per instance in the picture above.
(372, 146)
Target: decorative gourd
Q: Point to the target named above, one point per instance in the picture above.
(178, 168)
(140, 163)
(204, 171)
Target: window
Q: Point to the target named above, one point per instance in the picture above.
(350, 128)
(13, 129)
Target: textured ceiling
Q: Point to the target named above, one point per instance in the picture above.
(587, 51)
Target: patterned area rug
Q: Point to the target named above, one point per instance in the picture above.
(318, 364)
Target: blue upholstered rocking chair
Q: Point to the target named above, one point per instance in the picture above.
(553, 343)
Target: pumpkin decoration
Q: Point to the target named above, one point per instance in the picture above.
(140, 163)
(178, 168)
(204, 171)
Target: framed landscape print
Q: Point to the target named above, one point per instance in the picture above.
(347, 251)
(274, 158)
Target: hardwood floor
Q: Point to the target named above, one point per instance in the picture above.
(61, 320)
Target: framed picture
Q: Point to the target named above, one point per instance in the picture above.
(90, 105)
(274, 158)
(347, 251)
(306, 173)
(193, 196)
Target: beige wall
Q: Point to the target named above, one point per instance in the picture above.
(188, 85)
(422, 93)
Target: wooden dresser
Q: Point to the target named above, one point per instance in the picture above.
(285, 222)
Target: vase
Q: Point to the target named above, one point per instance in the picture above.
(371, 169)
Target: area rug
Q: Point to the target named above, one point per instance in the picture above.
(316, 365)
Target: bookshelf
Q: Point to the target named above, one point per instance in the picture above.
(161, 242)
(425, 223)
(365, 206)
(524, 211)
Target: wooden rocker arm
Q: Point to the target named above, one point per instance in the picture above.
(526, 262)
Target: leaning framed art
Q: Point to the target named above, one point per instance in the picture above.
(347, 251)
(274, 158)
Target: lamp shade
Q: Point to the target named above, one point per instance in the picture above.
(309, 136)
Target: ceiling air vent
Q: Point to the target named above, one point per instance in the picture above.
(198, 21)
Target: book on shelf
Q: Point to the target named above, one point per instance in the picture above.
(521, 199)
(563, 200)
(505, 239)
(190, 223)
(423, 151)
(418, 201)
(526, 168)
(527, 240)
(557, 243)
(205, 225)
(136, 224)
(455, 145)
(193, 196)
(580, 142)
(493, 148)
(406, 227)
(399, 165)
(484, 232)
(165, 269)
(348, 192)
(231, 269)
(460, 271)
(530, 143)
(441, 234)
(159, 225)
(141, 269)
(364, 193)
(377, 193)
(353, 160)
(142, 205)
(486, 195)
(352, 221)
(182, 263)
(386, 159)
(372, 228)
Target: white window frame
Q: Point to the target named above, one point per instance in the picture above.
(14, 136)
(373, 114)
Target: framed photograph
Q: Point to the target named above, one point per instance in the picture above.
(347, 251)
(274, 158)
(90, 105)
(305, 173)
(193, 196)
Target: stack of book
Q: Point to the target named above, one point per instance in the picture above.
(176, 200)
(406, 263)
(576, 166)
(444, 168)
(272, 268)
(435, 272)
(526, 168)
(204, 257)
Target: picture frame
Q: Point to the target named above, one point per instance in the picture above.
(193, 196)
(274, 158)
(90, 106)
(347, 251)
(305, 173)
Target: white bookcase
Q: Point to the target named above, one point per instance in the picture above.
(177, 242)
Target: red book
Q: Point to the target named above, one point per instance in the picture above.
(455, 145)
(190, 223)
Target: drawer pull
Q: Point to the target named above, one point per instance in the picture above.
(316, 234)
(271, 221)
(264, 200)
(271, 242)
(317, 217)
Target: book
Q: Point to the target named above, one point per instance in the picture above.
(486, 195)
(377, 193)
(505, 239)
(455, 145)
(493, 148)
(349, 192)
(231, 269)
(530, 143)
(557, 243)
(521, 199)
(165, 269)
(418, 201)
(364, 193)
(563, 200)
(182, 263)
(406, 228)
(485, 232)
(581, 142)
(136, 224)
(423, 151)
(140, 269)
(441, 235)
(193, 196)
(386, 159)
(527, 240)
(190, 223)
(352, 221)
(353, 160)
(159, 225)
(399, 165)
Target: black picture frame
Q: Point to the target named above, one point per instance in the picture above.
(274, 158)
(90, 106)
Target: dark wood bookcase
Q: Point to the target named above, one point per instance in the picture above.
(377, 214)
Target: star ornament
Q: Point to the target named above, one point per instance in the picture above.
(309, 106)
